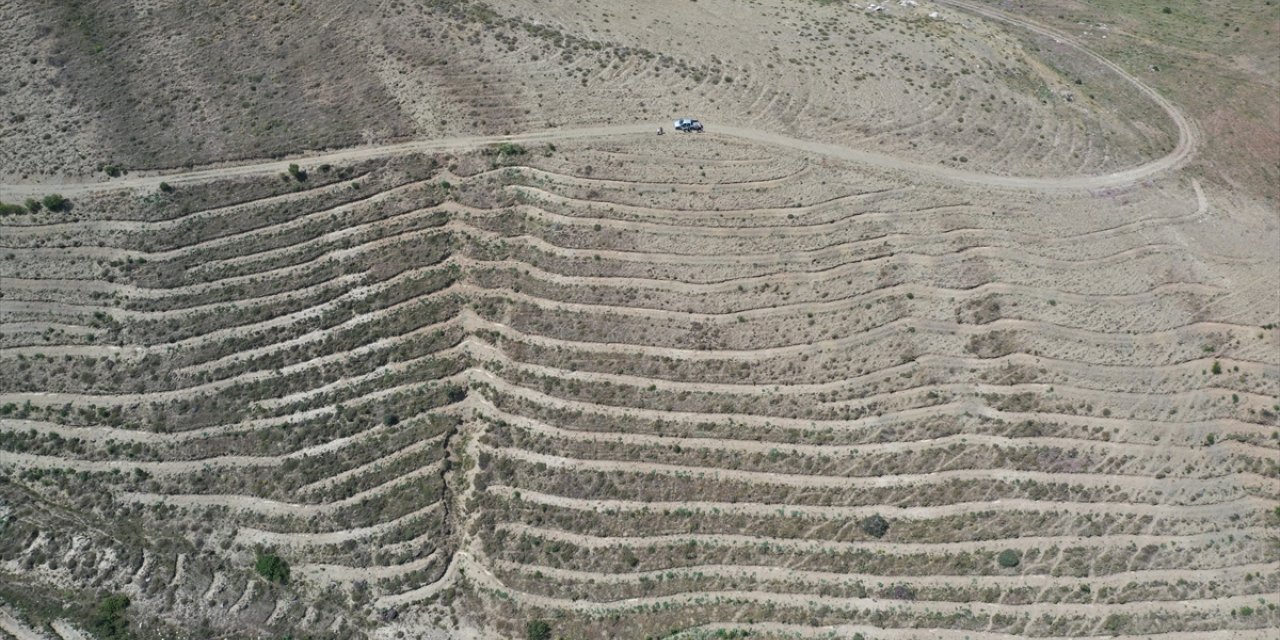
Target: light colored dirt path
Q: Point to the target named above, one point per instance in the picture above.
(1222, 425)
(1075, 367)
(342, 573)
(277, 508)
(849, 630)
(485, 352)
(11, 626)
(1240, 482)
(768, 221)
(819, 545)
(1170, 450)
(1202, 606)
(69, 632)
(249, 536)
(1186, 144)
(150, 182)
(428, 590)
(765, 573)
(1188, 138)
(809, 424)
(1216, 511)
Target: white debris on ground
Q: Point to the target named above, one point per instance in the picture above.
(906, 4)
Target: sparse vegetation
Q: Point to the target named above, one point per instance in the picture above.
(599, 387)
(353, 397)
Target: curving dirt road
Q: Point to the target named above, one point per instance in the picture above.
(1188, 139)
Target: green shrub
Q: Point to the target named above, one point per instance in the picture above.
(33, 205)
(1009, 558)
(166, 187)
(1217, 367)
(55, 202)
(272, 567)
(537, 630)
(510, 149)
(874, 526)
(297, 173)
(11, 209)
(1116, 623)
(108, 621)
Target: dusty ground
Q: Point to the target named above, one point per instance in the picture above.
(795, 377)
(163, 84)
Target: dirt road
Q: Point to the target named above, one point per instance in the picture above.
(1187, 141)
(11, 626)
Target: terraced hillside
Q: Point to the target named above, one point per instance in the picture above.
(635, 387)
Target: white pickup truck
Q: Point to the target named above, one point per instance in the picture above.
(687, 125)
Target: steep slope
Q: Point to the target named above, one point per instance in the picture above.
(641, 385)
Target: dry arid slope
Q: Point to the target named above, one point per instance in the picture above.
(1219, 62)
(923, 339)
(154, 83)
